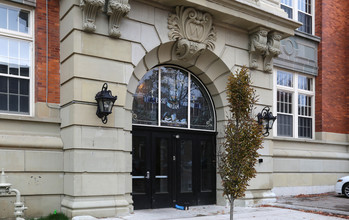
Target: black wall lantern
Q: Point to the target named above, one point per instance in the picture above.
(105, 101)
(266, 118)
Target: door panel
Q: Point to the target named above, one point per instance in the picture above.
(173, 167)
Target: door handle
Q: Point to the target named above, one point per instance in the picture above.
(148, 175)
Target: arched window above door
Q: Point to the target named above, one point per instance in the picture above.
(169, 96)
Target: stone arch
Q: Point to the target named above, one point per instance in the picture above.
(208, 67)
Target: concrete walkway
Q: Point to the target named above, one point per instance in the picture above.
(214, 212)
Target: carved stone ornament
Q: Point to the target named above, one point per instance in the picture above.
(116, 10)
(258, 45)
(193, 31)
(89, 13)
(273, 50)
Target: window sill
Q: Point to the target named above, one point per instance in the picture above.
(306, 140)
(29, 118)
(307, 36)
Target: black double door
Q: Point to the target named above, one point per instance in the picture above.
(173, 167)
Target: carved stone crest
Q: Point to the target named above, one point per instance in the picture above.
(116, 10)
(89, 13)
(193, 31)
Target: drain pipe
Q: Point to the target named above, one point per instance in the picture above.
(5, 188)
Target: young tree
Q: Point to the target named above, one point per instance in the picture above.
(243, 138)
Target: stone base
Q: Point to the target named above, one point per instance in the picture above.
(98, 207)
(252, 198)
(297, 190)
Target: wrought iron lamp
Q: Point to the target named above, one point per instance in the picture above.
(266, 118)
(105, 101)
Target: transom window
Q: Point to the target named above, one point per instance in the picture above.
(172, 97)
(302, 11)
(294, 105)
(15, 60)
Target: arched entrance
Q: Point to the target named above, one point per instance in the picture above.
(173, 136)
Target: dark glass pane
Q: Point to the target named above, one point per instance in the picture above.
(13, 103)
(13, 20)
(174, 97)
(161, 163)
(186, 166)
(3, 17)
(288, 10)
(207, 165)
(24, 71)
(3, 68)
(304, 127)
(3, 84)
(24, 103)
(201, 111)
(138, 164)
(23, 21)
(285, 125)
(24, 87)
(13, 84)
(3, 102)
(145, 102)
(307, 22)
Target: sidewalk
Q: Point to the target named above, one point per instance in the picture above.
(214, 212)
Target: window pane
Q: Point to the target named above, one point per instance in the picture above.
(23, 21)
(174, 97)
(305, 6)
(24, 87)
(207, 165)
(3, 102)
(13, 20)
(305, 83)
(186, 164)
(287, 2)
(307, 22)
(304, 105)
(288, 10)
(14, 49)
(3, 65)
(13, 103)
(13, 84)
(138, 164)
(24, 104)
(161, 161)
(305, 127)
(284, 102)
(201, 112)
(3, 84)
(145, 102)
(3, 47)
(3, 17)
(284, 125)
(24, 50)
(284, 78)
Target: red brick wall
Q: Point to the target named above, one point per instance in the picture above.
(53, 51)
(332, 83)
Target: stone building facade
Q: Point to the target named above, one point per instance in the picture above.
(62, 157)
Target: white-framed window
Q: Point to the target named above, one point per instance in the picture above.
(294, 103)
(302, 11)
(16, 60)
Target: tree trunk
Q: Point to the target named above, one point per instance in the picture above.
(232, 208)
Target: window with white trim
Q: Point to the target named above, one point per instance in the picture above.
(16, 57)
(302, 11)
(294, 105)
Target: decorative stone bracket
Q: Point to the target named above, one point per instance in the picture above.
(264, 44)
(115, 9)
(193, 31)
(89, 12)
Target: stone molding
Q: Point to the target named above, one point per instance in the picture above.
(116, 10)
(264, 44)
(193, 31)
(89, 13)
